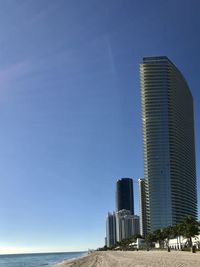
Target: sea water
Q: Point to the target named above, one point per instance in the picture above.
(37, 260)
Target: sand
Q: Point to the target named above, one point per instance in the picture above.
(136, 259)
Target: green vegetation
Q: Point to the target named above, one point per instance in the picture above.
(125, 244)
(188, 228)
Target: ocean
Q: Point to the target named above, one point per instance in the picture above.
(37, 259)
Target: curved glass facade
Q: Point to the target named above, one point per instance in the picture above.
(168, 139)
(124, 195)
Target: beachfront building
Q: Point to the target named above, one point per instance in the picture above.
(127, 225)
(142, 207)
(110, 229)
(181, 242)
(122, 224)
(124, 195)
(168, 138)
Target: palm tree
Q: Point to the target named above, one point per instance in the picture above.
(167, 233)
(190, 228)
(160, 237)
(177, 232)
(149, 239)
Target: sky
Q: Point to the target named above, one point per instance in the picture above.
(70, 113)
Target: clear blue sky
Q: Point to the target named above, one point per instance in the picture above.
(70, 120)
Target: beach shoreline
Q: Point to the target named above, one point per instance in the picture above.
(71, 260)
(135, 259)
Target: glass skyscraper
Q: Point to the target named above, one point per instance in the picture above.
(168, 139)
(124, 195)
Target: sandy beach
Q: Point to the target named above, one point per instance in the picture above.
(136, 259)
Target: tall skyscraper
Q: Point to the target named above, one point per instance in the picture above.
(110, 230)
(124, 195)
(168, 138)
(142, 206)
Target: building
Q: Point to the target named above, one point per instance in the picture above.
(121, 225)
(168, 138)
(136, 225)
(124, 195)
(110, 230)
(142, 206)
(127, 225)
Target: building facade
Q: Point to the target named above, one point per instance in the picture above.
(124, 195)
(110, 230)
(142, 207)
(168, 139)
(127, 225)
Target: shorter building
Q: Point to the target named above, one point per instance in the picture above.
(122, 224)
(110, 230)
(180, 243)
(127, 225)
(139, 244)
